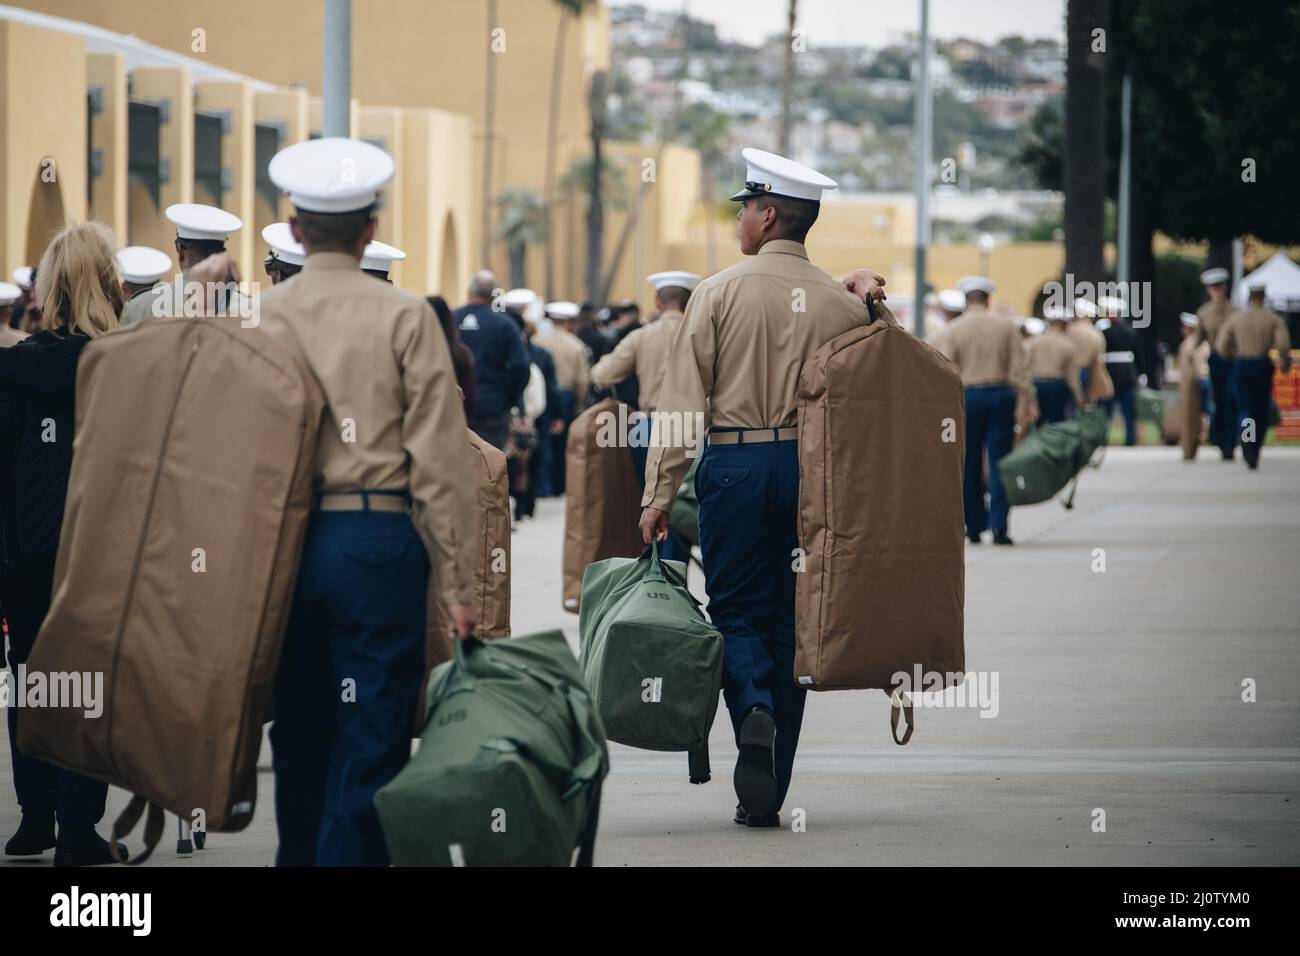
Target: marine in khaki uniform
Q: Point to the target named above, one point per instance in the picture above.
(734, 368)
(572, 374)
(141, 268)
(1089, 353)
(9, 296)
(994, 368)
(286, 255)
(201, 234)
(1245, 340)
(1193, 363)
(1211, 318)
(394, 488)
(644, 354)
(1051, 366)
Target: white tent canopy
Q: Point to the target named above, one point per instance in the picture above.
(1282, 276)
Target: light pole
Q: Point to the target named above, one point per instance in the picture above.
(921, 172)
(336, 69)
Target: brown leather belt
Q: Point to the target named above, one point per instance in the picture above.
(754, 436)
(397, 501)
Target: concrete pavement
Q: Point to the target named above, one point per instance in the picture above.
(1119, 690)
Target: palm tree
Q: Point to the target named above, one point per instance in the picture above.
(707, 130)
(522, 224)
(787, 78)
(569, 10)
(1085, 144)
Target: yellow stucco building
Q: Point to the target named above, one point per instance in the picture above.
(117, 109)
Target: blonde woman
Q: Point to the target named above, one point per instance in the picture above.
(80, 298)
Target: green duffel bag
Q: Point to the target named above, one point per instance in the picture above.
(683, 519)
(1150, 406)
(510, 763)
(1050, 456)
(652, 660)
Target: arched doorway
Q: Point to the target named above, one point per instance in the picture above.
(449, 278)
(44, 211)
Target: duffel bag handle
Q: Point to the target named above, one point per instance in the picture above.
(900, 705)
(658, 570)
(125, 823)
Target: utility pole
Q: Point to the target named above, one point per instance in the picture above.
(1124, 241)
(336, 69)
(921, 173)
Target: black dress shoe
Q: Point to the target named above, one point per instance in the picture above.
(1001, 537)
(745, 819)
(35, 835)
(973, 538)
(755, 775)
(85, 847)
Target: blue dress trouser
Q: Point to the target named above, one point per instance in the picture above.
(749, 500)
(1126, 399)
(1053, 399)
(555, 447)
(1223, 420)
(990, 423)
(1251, 384)
(350, 673)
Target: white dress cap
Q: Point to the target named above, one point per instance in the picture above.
(1057, 313)
(674, 280)
(563, 309)
(23, 276)
(380, 256)
(9, 293)
(205, 223)
(279, 237)
(1189, 319)
(1214, 276)
(1257, 286)
(1035, 326)
(331, 175)
(518, 298)
(143, 265)
(976, 284)
(1085, 307)
(1110, 303)
(777, 176)
(953, 300)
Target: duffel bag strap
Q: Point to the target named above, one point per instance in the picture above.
(587, 848)
(125, 823)
(900, 704)
(697, 764)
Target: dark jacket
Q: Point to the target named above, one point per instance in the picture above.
(1120, 338)
(38, 389)
(499, 358)
(597, 342)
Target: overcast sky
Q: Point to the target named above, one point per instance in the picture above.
(874, 23)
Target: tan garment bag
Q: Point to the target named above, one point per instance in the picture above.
(881, 451)
(187, 505)
(602, 503)
(491, 565)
